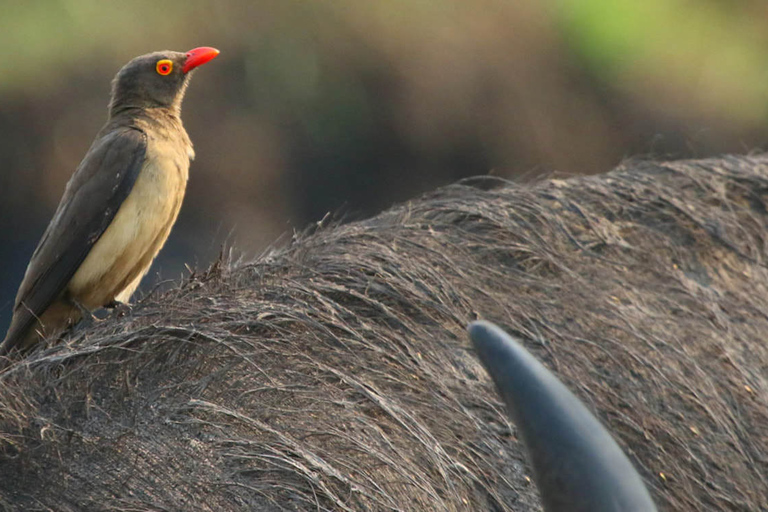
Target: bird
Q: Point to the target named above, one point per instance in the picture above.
(118, 207)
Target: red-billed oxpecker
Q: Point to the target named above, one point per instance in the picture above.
(119, 206)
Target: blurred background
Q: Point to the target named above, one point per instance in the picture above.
(349, 106)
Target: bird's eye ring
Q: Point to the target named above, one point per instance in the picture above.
(164, 67)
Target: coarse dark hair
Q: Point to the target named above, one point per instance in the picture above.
(336, 374)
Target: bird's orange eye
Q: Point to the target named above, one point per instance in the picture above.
(164, 67)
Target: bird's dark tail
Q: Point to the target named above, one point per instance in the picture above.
(20, 337)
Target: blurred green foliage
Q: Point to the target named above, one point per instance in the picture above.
(47, 37)
(676, 43)
(645, 47)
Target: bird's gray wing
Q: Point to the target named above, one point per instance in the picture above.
(92, 197)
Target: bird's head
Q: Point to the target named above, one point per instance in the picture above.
(157, 80)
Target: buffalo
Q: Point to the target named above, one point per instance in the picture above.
(334, 372)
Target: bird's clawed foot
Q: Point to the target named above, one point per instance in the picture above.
(118, 308)
(87, 318)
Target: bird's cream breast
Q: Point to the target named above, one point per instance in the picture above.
(124, 252)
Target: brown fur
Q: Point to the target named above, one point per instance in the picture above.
(335, 373)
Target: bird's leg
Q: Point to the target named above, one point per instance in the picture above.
(87, 318)
(119, 308)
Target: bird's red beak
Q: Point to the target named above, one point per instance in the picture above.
(198, 57)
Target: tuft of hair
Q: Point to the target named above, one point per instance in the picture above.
(335, 373)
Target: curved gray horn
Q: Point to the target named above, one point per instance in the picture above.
(577, 464)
